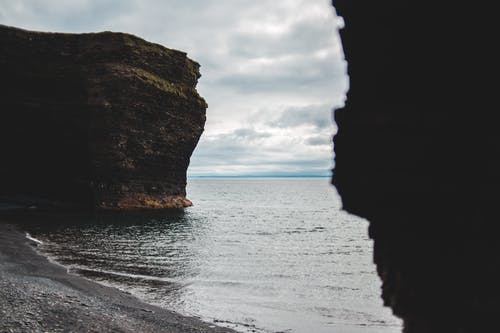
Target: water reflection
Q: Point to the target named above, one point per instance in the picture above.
(259, 255)
(145, 251)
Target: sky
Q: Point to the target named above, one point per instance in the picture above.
(272, 72)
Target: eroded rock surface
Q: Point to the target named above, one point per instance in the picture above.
(418, 155)
(100, 120)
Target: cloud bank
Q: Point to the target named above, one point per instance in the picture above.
(271, 71)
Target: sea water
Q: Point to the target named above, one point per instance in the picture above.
(256, 255)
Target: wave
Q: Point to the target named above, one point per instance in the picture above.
(33, 239)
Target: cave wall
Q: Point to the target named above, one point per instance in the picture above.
(101, 120)
(417, 154)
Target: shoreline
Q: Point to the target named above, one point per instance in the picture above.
(39, 295)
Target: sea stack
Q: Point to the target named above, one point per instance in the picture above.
(96, 121)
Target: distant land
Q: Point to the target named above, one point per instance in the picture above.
(260, 176)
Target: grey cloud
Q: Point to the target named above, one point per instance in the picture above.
(319, 116)
(303, 37)
(218, 153)
(237, 146)
(245, 133)
(207, 30)
(212, 33)
(64, 16)
(318, 140)
(251, 134)
(299, 78)
(287, 69)
(224, 149)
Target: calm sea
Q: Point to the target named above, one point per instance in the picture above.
(257, 255)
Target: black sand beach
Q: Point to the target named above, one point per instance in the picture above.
(39, 296)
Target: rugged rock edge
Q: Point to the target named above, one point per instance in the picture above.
(96, 121)
(418, 154)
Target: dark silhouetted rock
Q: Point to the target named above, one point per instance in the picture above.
(417, 154)
(101, 120)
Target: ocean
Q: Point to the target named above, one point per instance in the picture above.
(253, 254)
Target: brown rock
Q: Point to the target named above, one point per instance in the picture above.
(100, 120)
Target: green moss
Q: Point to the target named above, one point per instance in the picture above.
(160, 83)
(144, 46)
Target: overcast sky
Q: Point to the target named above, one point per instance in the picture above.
(271, 71)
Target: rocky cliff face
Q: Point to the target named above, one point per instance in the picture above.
(104, 120)
(418, 155)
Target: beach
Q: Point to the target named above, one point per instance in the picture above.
(37, 295)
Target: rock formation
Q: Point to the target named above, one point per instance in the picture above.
(417, 154)
(99, 120)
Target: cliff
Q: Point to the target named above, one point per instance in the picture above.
(418, 154)
(99, 120)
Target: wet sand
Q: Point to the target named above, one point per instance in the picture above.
(39, 296)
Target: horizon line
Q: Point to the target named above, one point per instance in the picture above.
(261, 176)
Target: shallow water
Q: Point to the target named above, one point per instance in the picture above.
(258, 255)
